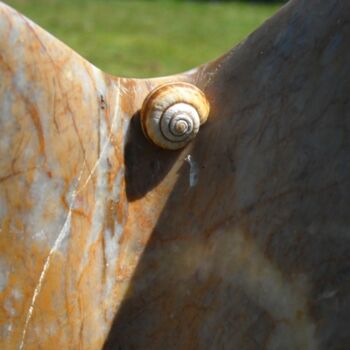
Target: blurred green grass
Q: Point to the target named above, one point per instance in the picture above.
(147, 38)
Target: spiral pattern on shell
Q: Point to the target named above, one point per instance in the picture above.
(172, 114)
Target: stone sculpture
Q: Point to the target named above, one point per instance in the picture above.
(239, 240)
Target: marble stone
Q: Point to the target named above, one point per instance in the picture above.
(239, 241)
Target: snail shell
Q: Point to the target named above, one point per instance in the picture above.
(172, 114)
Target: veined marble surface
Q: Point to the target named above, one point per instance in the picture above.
(239, 241)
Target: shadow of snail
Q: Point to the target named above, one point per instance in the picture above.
(170, 118)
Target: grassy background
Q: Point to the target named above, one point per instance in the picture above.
(147, 38)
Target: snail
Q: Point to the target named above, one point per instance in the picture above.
(172, 114)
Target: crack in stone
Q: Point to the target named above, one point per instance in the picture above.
(66, 226)
(55, 247)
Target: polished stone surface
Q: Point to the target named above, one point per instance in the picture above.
(239, 241)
